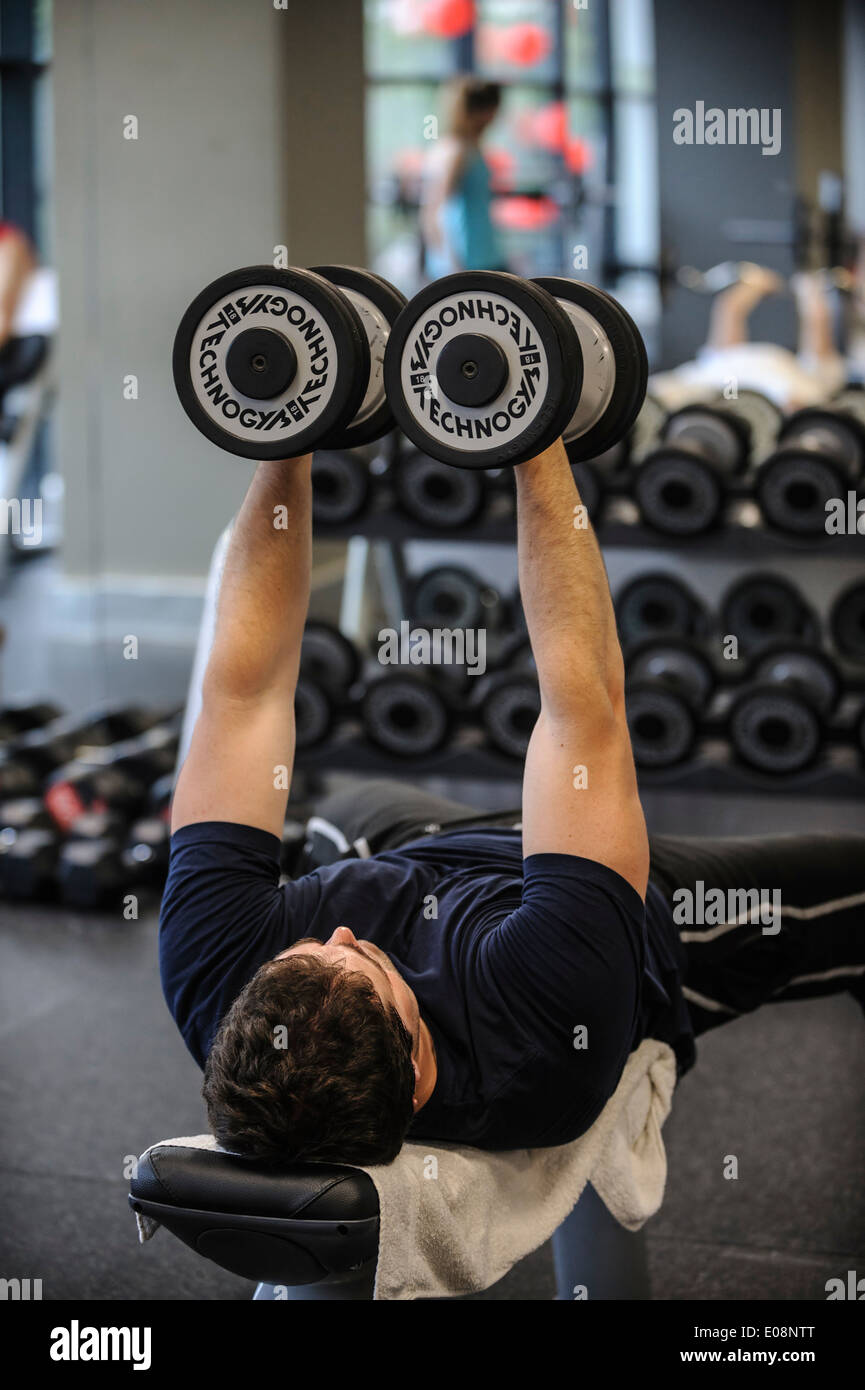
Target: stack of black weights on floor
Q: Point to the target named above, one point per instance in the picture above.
(84, 804)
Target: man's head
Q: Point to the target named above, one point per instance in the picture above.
(472, 104)
(318, 1058)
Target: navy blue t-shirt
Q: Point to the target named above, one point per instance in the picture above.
(509, 959)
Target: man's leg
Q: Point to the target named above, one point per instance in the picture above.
(815, 945)
(382, 814)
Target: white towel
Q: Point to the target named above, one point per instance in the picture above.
(455, 1220)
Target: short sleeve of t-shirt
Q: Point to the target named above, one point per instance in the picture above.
(571, 957)
(223, 915)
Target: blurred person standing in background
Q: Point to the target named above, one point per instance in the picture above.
(456, 221)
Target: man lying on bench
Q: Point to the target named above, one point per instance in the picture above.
(472, 980)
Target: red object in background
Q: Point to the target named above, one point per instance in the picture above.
(409, 162)
(523, 44)
(501, 167)
(578, 154)
(448, 19)
(548, 126)
(525, 214)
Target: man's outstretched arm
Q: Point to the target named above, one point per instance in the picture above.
(572, 627)
(245, 731)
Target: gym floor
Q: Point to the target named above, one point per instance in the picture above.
(95, 1072)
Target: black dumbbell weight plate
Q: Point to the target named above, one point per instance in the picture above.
(763, 607)
(483, 370)
(588, 486)
(793, 487)
(674, 662)
(839, 435)
(615, 368)
(437, 496)
(379, 304)
(774, 730)
(269, 362)
(509, 712)
(721, 436)
(341, 487)
(809, 669)
(677, 492)
(313, 714)
(405, 716)
(662, 726)
(448, 596)
(328, 658)
(656, 605)
(847, 622)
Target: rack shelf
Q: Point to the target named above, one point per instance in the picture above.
(732, 541)
(709, 771)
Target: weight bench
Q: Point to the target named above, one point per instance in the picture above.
(311, 1232)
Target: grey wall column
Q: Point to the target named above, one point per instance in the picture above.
(250, 137)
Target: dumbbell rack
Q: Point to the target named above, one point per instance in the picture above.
(378, 539)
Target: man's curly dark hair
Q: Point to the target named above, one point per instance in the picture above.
(310, 1064)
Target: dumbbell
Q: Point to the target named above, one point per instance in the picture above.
(90, 875)
(98, 871)
(328, 658)
(437, 496)
(28, 849)
(762, 608)
(341, 486)
(145, 853)
(590, 485)
(329, 667)
(777, 722)
(27, 760)
(405, 715)
(483, 369)
(28, 862)
(847, 622)
(270, 364)
(24, 813)
(159, 796)
(509, 710)
(669, 685)
(762, 418)
(595, 476)
(820, 456)
(658, 604)
(449, 599)
(314, 714)
(449, 596)
(680, 486)
(20, 719)
(113, 779)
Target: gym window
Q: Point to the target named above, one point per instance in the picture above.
(573, 151)
(25, 117)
